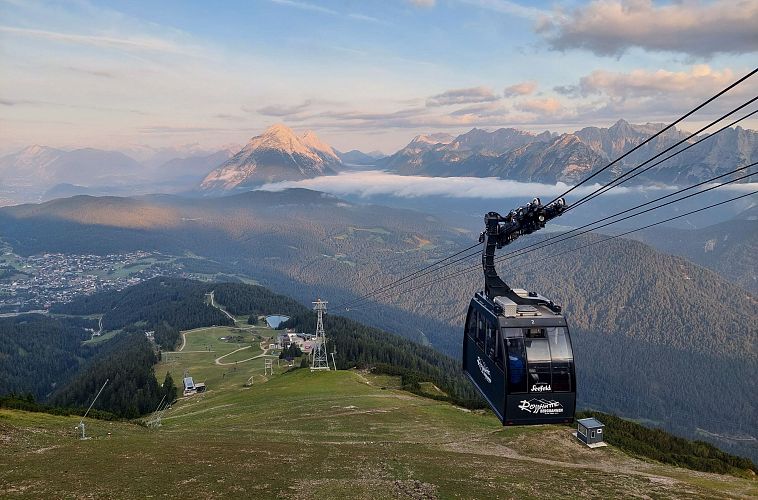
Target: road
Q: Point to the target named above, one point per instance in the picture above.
(261, 355)
(213, 303)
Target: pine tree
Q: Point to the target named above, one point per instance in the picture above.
(169, 388)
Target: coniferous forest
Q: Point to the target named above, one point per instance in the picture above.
(39, 353)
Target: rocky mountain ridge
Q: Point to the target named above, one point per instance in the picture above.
(278, 154)
(569, 157)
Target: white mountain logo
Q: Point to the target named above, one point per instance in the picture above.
(484, 369)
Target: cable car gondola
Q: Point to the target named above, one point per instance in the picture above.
(516, 346)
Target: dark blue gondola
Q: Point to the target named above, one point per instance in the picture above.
(517, 347)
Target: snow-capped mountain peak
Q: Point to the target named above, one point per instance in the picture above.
(311, 140)
(277, 154)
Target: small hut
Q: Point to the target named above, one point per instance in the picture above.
(590, 432)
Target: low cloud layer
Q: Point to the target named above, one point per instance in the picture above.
(376, 182)
(697, 28)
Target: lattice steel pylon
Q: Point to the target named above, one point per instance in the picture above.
(319, 356)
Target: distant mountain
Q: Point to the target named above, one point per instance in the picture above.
(355, 157)
(192, 168)
(65, 190)
(550, 158)
(728, 248)
(152, 157)
(276, 155)
(43, 167)
(442, 154)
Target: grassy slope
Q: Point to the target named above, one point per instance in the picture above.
(321, 435)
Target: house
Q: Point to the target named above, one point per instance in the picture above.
(285, 339)
(590, 432)
(190, 387)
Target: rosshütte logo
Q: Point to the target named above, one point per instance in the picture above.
(541, 406)
(484, 369)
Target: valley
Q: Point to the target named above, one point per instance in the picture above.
(619, 324)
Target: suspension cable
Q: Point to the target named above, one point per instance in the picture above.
(669, 126)
(621, 179)
(544, 244)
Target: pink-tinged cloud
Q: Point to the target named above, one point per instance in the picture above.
(547, 106)
(700, 79)
(523, 88)
(611, 27)
(462, 96)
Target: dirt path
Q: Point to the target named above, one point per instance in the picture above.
(264, 353)
(184, 336)
(214, 304)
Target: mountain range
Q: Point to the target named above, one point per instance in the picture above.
(550, 158)
(279, 154)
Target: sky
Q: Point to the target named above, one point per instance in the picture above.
(365, 74)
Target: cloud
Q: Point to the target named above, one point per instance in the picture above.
(523, 88)
(462, 96)
(482, 110)
(228, 117)
(306, 6)
(104, 109)
(281, 109)
(375, 182)
(546, 106)
(324, 10)
(130, 44)
(700, 79)
(92, 72)
(611, 27)
(16, 102)
(508, 8)
(423, 3)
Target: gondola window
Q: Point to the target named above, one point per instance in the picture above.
(562, 359)
(517, 382)
(538, 356)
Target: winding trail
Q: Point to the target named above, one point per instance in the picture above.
(214, 304)
(184, 336)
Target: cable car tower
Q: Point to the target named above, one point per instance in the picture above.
(320, 358)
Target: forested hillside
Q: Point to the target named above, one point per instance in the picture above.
(355, 344)
(728, 248)
(152, 305)
(39, 353)
(132, 389)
